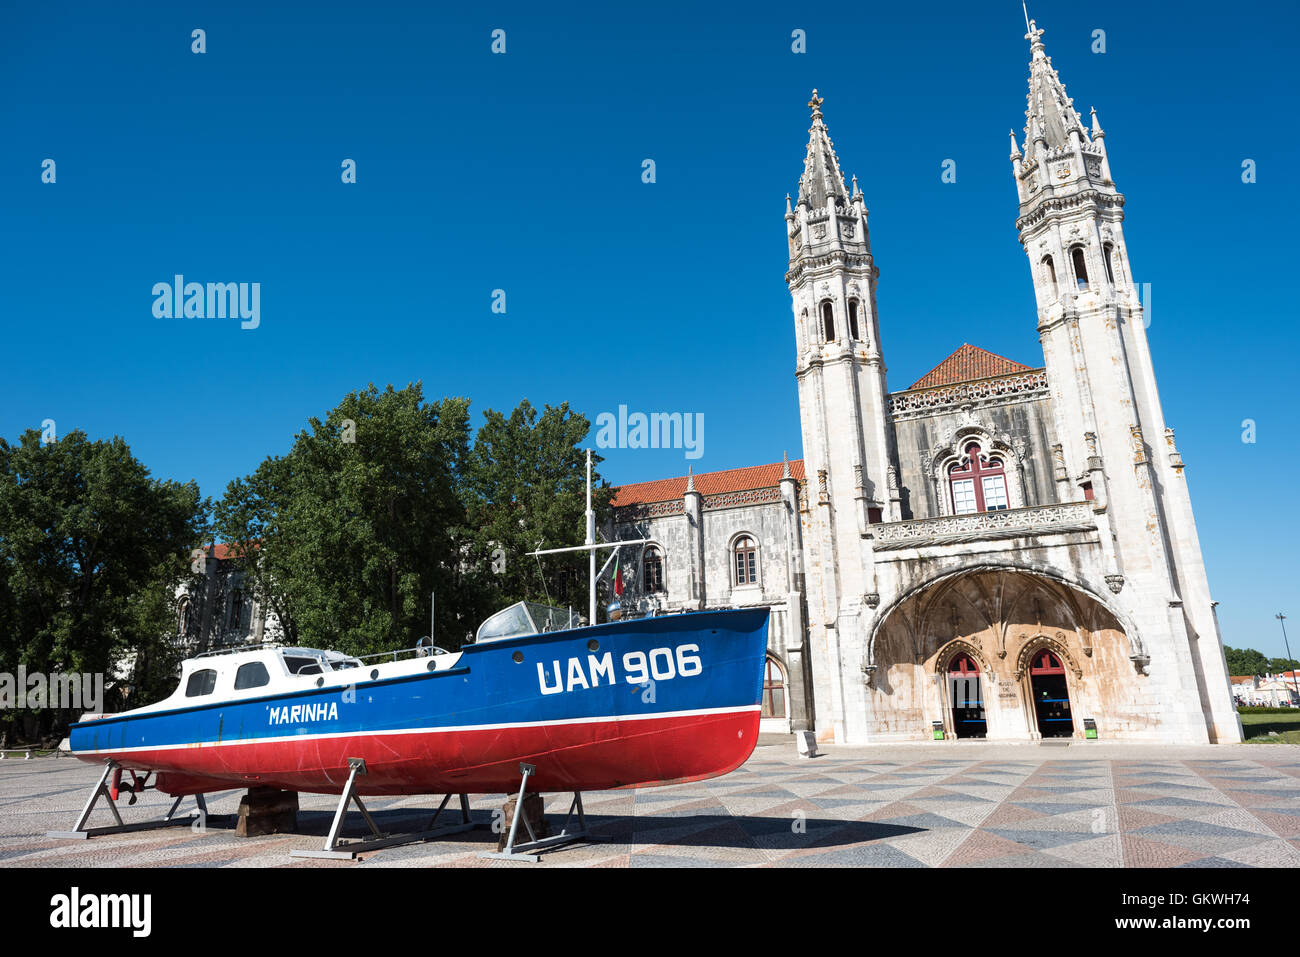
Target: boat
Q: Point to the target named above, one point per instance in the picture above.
(539, 701)
(631, 703)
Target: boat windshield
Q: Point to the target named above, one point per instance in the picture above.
(525, 618)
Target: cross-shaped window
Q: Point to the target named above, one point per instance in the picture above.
(979, 483)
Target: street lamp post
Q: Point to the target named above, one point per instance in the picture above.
(1281, 620)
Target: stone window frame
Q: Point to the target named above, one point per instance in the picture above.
(954, 450)
(732, 544)
(663, 568)
(827, 319)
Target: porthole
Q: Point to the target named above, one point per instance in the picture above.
(519, 657)
(374, 673)
(432, 666)
(320, 681)
(593, 645)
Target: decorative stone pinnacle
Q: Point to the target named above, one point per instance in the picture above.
(816, 104)
(1035, 38)
(690, 479)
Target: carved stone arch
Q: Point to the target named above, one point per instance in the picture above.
(952, 449)
(1136, 643)
(951, 590)
(1054, 644)
(959, 646)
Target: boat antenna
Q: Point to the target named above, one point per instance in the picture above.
(591, 540)
(540, 573)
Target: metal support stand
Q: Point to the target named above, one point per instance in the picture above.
(338, 850)
(81, 832)
(524, 852)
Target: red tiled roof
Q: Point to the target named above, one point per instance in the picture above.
(221, 552)
(706, 483)
(968, 362)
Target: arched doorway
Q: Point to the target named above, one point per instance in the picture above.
(1051, 695)
(966, 697)
(775, 713)
(774, 690)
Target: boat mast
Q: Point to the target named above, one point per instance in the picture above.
(590, 546)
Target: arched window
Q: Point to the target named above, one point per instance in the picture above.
(774, 702)
(978, 483)
(745, 561)
(1080, 267)
(1050, 268)
(652, 570)
(853, 320)
(828, 321)
(1108, 260)
(236, 610)
(805, 332)
(185, 619)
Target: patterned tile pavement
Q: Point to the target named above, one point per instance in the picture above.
(954, 804)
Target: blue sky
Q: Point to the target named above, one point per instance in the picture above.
(522, 172)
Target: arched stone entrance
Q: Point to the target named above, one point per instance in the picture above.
(966, 697)
(1027, 638)
(1051, 695)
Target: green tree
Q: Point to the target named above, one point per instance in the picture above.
(346, 536)
(85, 535)
(526, 488)
(1246, 661)
(386, 501)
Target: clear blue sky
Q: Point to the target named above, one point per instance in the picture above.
(523, 172)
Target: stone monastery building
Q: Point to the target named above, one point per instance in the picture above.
(995, 551)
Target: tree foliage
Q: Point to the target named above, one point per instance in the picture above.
(385, 501)
(91, 551)
(1248, 661)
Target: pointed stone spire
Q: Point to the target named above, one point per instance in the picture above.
(1050, 119)
(1097, 131)
(1015, 150)
(822, 179)
(785, 471)
(690, 480)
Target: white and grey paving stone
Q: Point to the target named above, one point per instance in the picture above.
(952, 804)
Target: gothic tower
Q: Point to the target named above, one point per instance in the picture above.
(842, 396)
(1115, 449)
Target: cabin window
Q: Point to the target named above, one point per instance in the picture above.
(652, 570)
(251, 675)
(978, 482)
(298, 665)
(1080, 267)
(853, 320)
(201, 683)
(828, 321)
(746, 561)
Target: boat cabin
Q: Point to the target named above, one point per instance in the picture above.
(525, 618)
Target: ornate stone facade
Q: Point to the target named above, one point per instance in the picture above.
(996, 525)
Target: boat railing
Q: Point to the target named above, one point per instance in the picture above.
(247, 646)
(419, 651)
